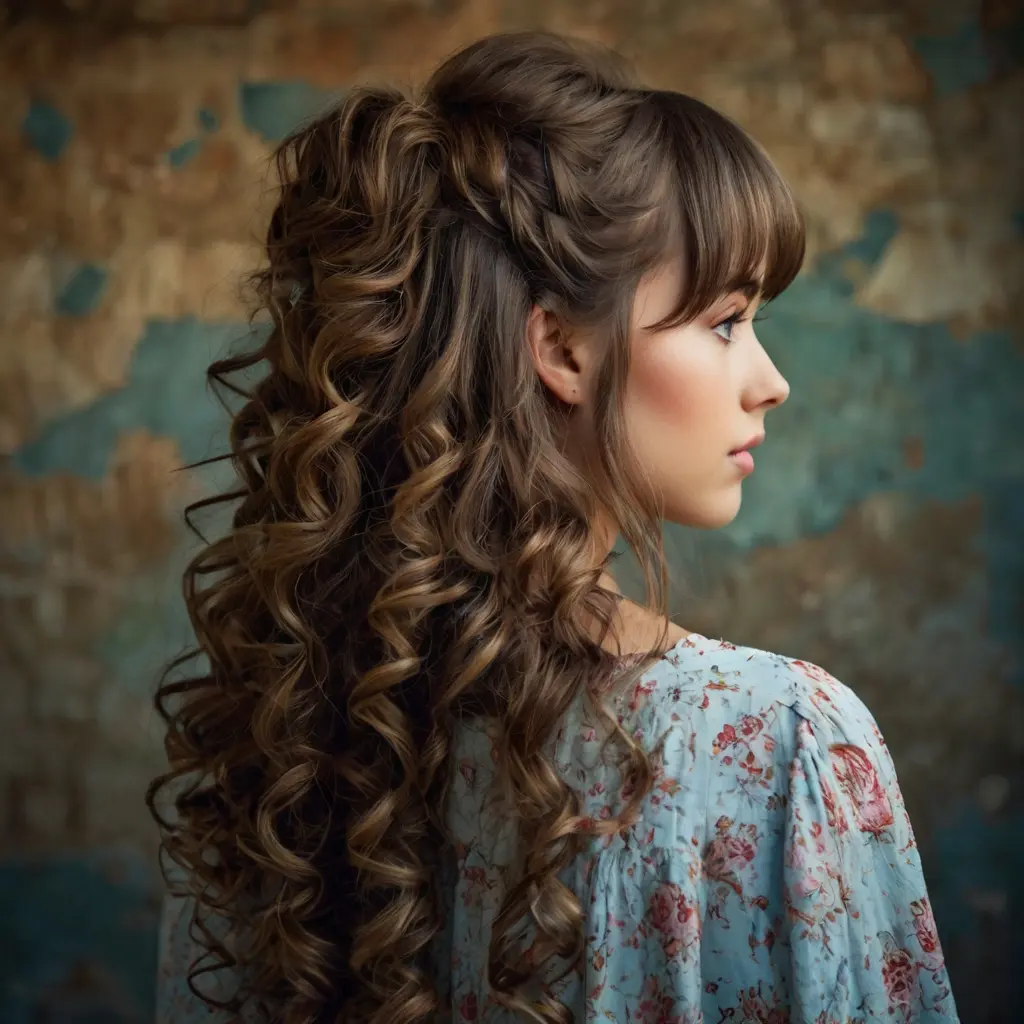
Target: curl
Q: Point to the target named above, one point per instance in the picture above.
(409, 545)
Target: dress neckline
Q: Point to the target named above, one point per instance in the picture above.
(634, 656)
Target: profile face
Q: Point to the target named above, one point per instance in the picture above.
(696, 396)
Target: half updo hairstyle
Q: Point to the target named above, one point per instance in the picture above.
(409, 544)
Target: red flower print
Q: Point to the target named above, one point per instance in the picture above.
(467, 1008)
(655, 1007)
(675, 918)
(477, 883)
(814, 672)
(833, 811)
(669, 786)
(927, 934)
(750, 765)
(725, 856)
(750, 726)
(899, 973)
(820, 697)
(740, 851)
(726, 738)
(859, 781)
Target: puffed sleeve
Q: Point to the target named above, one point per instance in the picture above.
(861, 935)
(177, 949)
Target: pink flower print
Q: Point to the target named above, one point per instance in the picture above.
(675, 918)
(805, 885)
(899, 973)
(859, 781)
(468, 771)
(654, 1007)
(724, 857)
(755, 1009)
(927, 934)
(467, 1008)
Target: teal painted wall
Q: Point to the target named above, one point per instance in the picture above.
(880, 537)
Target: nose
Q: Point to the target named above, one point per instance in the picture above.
(777, 388)
(767, 389)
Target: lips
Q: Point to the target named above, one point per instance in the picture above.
(752, 443)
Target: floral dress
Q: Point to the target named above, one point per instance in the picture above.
(772, 875)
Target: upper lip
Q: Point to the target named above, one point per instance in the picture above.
(752, 443)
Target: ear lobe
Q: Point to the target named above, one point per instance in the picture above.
(553, 356)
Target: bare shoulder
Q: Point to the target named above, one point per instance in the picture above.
(639, 630)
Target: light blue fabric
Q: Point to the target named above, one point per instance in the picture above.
(772, 875)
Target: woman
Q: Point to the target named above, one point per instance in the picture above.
(435, 766)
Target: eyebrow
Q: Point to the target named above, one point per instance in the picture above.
(749, 288)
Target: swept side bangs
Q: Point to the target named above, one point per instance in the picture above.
(738, 224)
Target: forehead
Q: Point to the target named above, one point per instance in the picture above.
(664, 293)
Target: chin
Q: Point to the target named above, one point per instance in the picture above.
(712, 514)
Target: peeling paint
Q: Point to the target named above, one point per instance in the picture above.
(46, 129)
(208, 120)
(957, 61)
(184, 153)
(880, 535)
(165, 395)
(274, 109)
(83, 291)
(862, 383)
(80, 934)
(978, 896)
(1003, 544)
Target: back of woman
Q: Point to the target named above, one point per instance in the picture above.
(433, 765)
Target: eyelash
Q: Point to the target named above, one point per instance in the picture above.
(737, 318)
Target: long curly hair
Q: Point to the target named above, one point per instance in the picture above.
(409, 544)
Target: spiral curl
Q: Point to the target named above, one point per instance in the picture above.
(408, 544)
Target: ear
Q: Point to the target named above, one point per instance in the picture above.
(560, 358)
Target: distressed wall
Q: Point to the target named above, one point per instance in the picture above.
(880, 537)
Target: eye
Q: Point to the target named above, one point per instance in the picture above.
(724, 329)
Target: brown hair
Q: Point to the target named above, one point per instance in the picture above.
(409, 545)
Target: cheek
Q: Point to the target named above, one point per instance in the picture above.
(665, 388)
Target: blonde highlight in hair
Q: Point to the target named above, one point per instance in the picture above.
(409, 546)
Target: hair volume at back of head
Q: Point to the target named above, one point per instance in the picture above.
(409, 544)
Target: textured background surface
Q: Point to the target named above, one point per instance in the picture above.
(880, 537)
